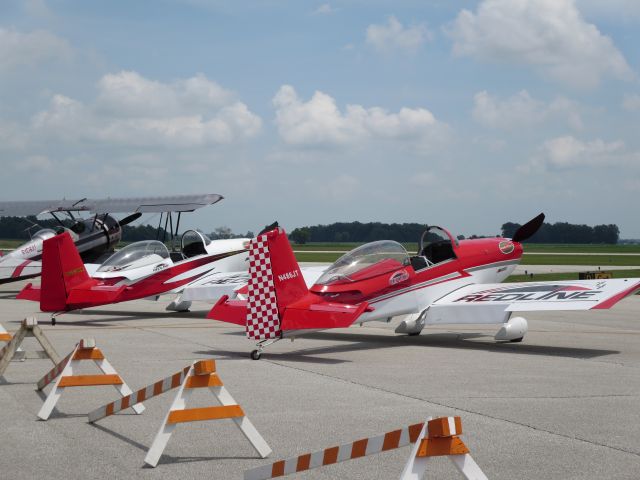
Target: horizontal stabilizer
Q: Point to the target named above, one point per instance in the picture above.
(29, 292)
(230, 311)
(322, 315)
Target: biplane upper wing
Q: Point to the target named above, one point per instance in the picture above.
(175, 203)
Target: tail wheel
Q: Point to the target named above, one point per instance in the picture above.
(256, 354)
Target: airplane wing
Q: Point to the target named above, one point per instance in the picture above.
(175, 203)
(14, 269)
(213, 286)
(37, 207)
(484, 303)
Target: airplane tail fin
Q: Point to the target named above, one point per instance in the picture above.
(62, 270)
(275, 282)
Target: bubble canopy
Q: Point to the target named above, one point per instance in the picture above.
(44, 234)
(366, 261)
(136, 255)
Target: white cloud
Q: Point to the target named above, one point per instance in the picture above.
(319, 122)
(631, 102)
(324, 9)
(549, 35)
(29, 49)
(521, 110)
(394, 36)
(569, 152)
(131, 110)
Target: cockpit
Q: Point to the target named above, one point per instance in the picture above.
(366, 261)
(136, 255)
(436, 246)
(194, 243)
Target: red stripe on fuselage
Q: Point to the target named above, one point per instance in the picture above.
(18, 271)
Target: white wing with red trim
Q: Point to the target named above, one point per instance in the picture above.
(213, 286)
(14, 268)
(490, 303)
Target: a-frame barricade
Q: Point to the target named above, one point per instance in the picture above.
(63, 375)
(435, 438)
(28, 328)
(200, 374)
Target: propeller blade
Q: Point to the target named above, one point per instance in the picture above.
(528, 229)
(268, 228)
(131, 218)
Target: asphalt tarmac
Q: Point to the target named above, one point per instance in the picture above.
(563, 404)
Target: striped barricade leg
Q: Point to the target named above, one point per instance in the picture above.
(439, 437)
(201, 374)
(150, 391)
(329, 456)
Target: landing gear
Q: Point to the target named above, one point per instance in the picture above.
(517, 340)
(256, 354)
(53, 321)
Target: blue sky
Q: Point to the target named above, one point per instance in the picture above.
(459, 113)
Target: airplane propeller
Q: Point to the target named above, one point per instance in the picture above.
(131, 218)
(528, 229)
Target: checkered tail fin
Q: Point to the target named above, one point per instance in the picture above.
(275, 281)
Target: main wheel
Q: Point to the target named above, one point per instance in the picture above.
(413, 334)
(517, 340)
(256, 354)
(53, 321)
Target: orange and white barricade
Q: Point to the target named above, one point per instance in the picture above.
(63, 375)
(439, 437)
(4, 335)
(200, 374)
(417, 434)
(28, 328)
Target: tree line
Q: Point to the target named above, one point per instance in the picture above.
(560, 232)
(22, 228)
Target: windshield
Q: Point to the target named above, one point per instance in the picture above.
(193, 243)
(136, 255)
(366, 261)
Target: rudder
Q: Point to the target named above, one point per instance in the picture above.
(275, 281)
(62, 270)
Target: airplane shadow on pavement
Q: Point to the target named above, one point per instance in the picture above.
(351, 342)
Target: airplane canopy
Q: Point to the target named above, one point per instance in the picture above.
(366, 261)
(136, 255)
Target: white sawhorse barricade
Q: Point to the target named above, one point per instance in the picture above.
(200, 374)
(438, 437)
(63, 374)
(12, 350)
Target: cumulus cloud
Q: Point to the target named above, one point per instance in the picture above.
(319, 122)
(393, 36)
(548, 35)
(131, 110)
(324, 9)
(569, 152)
(522, 110)
(19, 49)
(631, 102)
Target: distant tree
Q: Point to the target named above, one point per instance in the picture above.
(300, 235)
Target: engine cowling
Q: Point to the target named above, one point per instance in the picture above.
(512, 331)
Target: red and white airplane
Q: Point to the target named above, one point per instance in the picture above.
(447, 282)
(95, 236)
(140, 270)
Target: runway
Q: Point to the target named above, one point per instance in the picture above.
(564, 404)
